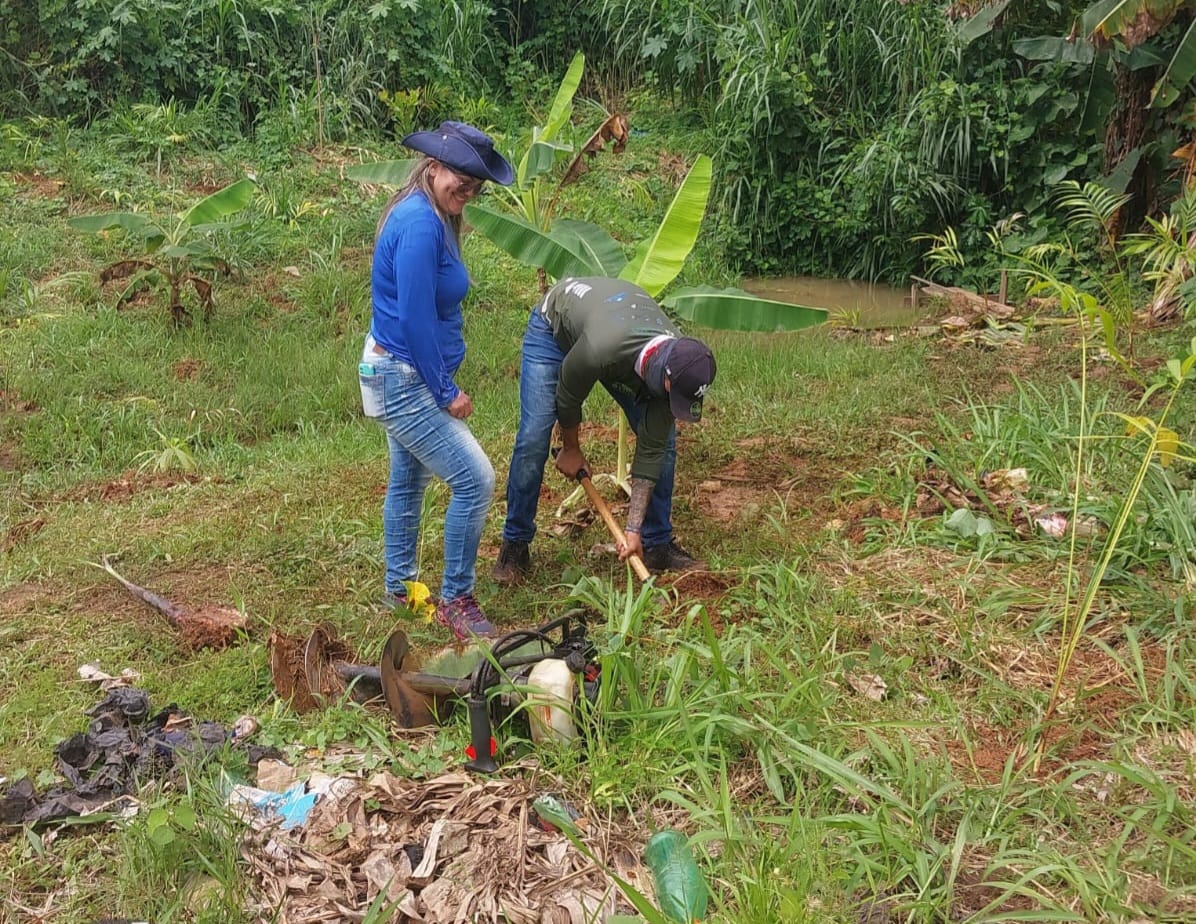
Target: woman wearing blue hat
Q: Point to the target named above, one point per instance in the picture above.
(411, 356)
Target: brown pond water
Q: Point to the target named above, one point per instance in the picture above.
(852, 303)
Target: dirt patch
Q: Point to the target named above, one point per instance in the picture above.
(22, 599)
(760, 476)
(129, 484)
(672, 168)
(975, 891)
(14, 403)
(727, 503)
(204, 187)
(187, 370)
(10, 458)
(1097, 692)
(20, 532)
(602, 433)
(203, 624)
(40, 185)
(279, 300)
(701, 585)
(209, 626)
(287, 672)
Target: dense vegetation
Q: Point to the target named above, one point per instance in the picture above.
(840, 130)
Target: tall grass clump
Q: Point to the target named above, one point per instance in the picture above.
(846, 128)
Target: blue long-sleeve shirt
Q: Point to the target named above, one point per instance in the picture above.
(418, 283)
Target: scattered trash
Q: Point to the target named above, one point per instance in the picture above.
(681, 891)
(291, 807)
(203, 627)
(275, 775)
(91, 673)
(1054, 525)
(245, 727)
(1005, 479)
(871, 686)
(102, 767)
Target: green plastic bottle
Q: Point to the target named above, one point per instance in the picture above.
(681, 890)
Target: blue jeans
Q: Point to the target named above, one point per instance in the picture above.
(537, 414)
(425, 440)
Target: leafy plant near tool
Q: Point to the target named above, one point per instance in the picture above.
(529, 684)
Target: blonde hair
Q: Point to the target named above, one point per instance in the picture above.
(419, 179)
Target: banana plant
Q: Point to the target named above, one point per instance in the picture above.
(530, 201)
(574, 248)
(526, 196)
(173, 251)
(1135, 22)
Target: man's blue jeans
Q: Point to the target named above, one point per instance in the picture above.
(537, 414)
(425, 440)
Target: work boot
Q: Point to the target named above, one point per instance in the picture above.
(514, 563)
(671, 557)
(465, 618)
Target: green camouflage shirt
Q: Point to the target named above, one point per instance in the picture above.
(602, 325)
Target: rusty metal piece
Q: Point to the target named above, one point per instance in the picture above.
(330, 670)
(321, 670)
(410, 708)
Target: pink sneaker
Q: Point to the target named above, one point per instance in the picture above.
(465, 618)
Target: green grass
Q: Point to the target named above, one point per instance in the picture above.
(730, 708)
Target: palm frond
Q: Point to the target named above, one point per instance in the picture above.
(1090, 205)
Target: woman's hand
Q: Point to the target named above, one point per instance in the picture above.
(461, 406)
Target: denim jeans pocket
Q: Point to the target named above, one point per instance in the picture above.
(373, 391)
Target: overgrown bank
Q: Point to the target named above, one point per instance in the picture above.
(840, 130)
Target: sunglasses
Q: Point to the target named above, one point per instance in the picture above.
(469, 185)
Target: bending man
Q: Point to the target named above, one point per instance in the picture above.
(583, 332)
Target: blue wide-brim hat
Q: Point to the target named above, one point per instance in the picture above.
(465, 149)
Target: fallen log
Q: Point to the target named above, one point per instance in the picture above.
(955, 295)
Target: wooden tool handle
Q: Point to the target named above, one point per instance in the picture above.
(637, 563)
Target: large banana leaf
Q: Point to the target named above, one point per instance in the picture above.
(220, 204)
(559, 255)
(385, 172)
(981, 22)
(186, 251)
(92, 224)
(562, 103)
(734, 309)
(1179, 72)
(558, 115)
(540, 157)
(659, 259)
(601, 250)
(1055, 48)
(1125, 18)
